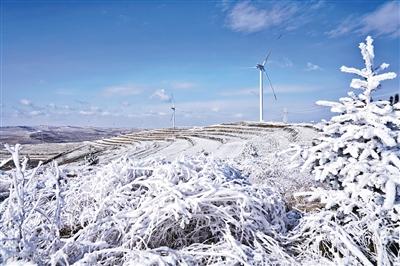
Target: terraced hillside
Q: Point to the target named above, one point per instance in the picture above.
(222, 141)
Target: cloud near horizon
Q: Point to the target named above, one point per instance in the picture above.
(25, 102)
(161, 95)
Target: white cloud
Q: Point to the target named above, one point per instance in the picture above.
(283, 63)
(245, 17)
(94, 110)
(25, 102)
(286, 62)
(105, 113)
(346, 26)
(121, 91)
(384, 20)
(215, 109)
(317, 4)
(86, 112)
(225, 4)
(36, 113)
(161, 95)
(312, 67)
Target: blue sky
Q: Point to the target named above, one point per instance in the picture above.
(117, 63)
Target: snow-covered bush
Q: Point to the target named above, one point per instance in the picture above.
(185, 211)
(189, 211)
(30, 218)
(262, 162)
(357, 155)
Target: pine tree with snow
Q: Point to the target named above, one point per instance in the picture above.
(359, 149)
(357, 157)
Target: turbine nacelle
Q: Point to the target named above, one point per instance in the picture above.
(260, 67)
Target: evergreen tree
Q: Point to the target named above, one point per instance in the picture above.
(357, 157)
(359, 149)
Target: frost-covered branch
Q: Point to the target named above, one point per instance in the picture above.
(27, 229)
(370, 80)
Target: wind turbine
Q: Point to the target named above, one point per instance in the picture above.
(285, 115)
(173, 111)
(261, 68)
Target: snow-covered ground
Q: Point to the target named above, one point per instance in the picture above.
(246, 154)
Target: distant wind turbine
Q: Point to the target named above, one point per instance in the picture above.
(261, 68)
(173, 111)
(285, 115)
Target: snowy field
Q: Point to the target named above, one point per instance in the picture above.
(238, 159)
(232, 194)
(250, 147)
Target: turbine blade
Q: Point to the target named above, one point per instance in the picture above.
(172, 116)
(269, 53)
(270, 83)
(266, 58)
(247, 67)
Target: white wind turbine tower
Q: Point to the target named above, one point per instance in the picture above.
(261, 68)
(173, 111)
(285, 115)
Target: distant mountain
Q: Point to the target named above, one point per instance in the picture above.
(54, 134)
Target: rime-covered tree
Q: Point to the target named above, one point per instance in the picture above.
(359, 149)
(357, 156)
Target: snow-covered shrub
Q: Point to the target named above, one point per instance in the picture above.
(191, 211)
(357, 155)
(30, 217)
(185, 211)
(262, 163)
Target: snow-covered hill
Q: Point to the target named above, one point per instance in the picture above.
(174, 195)
(250, 146)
